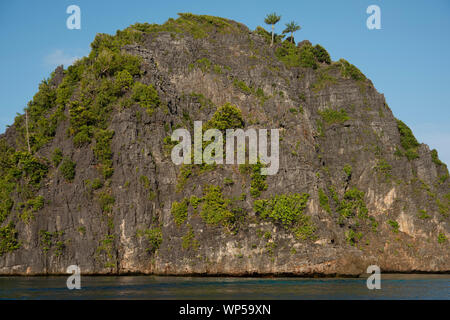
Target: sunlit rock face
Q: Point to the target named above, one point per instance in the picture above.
(346, 194)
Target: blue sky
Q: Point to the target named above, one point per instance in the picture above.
(408, 60)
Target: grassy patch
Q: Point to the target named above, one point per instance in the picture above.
(287, 209)
(331, 116)
(8, 239)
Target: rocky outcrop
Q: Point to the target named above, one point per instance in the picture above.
(373, 199)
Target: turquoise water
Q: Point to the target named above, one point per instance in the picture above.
(153, 287)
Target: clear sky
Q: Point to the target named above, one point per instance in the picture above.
(408, 60)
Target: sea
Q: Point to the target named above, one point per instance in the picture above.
(392, 286)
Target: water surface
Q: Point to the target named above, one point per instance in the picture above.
(155, 287)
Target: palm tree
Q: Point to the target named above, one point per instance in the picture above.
(272, 19)
(291, 27)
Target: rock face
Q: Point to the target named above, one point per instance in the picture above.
(374, 195)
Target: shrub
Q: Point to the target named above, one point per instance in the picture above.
(331, 116)
(307, 57)
(241, 85)
(227, 116)
(394, 225)
(106, 201)
(321, 54)
(353, 204)
(288, 53)
(215, 208)
(189, 241)
(81, 138)
(8, 239)
(153, 237)
(407, 140)
(384, 167)
(29, 167)
(323, 80)
(122, 82)
(57, 157)
(268, 36)
(30, 207)
(97, 184)
(102, 151)
(180, 210)
(285, 209)
(347, 170)
(258, 181)
(348, 70)
(67, 169)
(441, 238)
(324, 201)
(435, 158)
(146, 96)
(352, 237)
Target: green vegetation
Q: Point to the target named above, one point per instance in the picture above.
(189, 241)
(228, 182)
(324, 201)
(145, 181)
(199, 26)
(28, 208)
(331, 116)
(102, 151)
(323, 80)
(291, 27)
(49, 240)
(347, 170)
(241, 85)
(293, 56)
(384, 168)
(28, 167)
(423, 215)
(107, 247)
(153, 237)
(203, 64)
(348, 70)
(435, 158)
(216, 208)
(106, 201)
(268, 36)
(272, 19)
(441, 238)
(352, 205)
(227, 116)
(321, 54)
(67, 169)
(407, 140)
(394, 225)
(97, 184)
(20, 176)
(287, 210)
(8, 239)
(146, 96)
(258, 182)
(57, 157)
(180, 211)
(352, 237)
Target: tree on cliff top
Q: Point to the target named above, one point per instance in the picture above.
(272, 19)
(291, 27)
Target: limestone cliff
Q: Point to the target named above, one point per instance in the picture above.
(98, 188)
